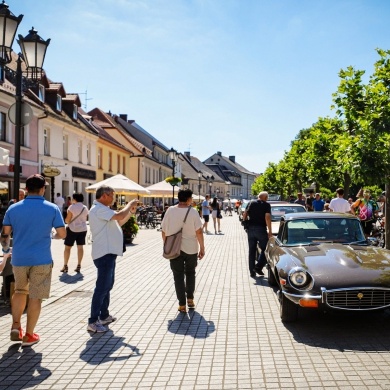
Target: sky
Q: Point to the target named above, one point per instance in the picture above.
(241, 77)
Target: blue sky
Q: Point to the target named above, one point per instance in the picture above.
(237, 76)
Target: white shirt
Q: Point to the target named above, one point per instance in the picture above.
(79, 217)
(107, 235)
(340, 205)
(59, 201)
(173, 222)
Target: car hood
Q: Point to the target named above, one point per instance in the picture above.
(342, 266)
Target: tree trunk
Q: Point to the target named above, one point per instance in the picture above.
(347, 183)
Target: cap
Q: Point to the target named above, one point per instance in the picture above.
(317, 194)
(35, 181)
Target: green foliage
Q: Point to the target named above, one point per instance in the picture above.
(130, 227)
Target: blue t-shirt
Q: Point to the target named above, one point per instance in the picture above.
(205, 207)
(32, 220)
(318, 205)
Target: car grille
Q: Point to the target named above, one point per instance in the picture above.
(358, 299)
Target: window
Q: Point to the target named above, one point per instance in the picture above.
(110, 161)
(75, 112)
(65, 146)
(100, 158)
(41, 93)
(124, 165)
(59, 103)
(46, 142)
(3, 124)
(80, 150)
(118, 164)
(89, 154)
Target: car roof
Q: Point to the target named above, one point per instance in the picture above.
(317, 215)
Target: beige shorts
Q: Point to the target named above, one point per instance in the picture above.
(33, 280)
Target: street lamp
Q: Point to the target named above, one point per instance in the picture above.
(199, 177)
(33, 54)
(228, 194)
(173, 157)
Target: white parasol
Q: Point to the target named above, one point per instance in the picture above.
(161, 190)
(121, 184)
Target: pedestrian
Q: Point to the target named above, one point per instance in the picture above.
(206, 213)
(76, 231)
(192, 247)
(318, 204)
(107, 244)
(216, 215)
(367, 211)
(59, 201)
(339, 204)
(68, 203)
(22, 195)
(300, 199)
(309, 200)
(31, 222)
(229, 207)
(259, 214)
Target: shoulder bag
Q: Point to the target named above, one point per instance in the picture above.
(172, 243)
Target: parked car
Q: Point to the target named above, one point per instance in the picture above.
(278, 209)
(323, 261)
(242, 208)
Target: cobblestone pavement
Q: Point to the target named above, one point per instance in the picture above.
(233, 340)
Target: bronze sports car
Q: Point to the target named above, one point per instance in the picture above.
(323, 261)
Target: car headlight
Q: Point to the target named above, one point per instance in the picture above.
(299, 278)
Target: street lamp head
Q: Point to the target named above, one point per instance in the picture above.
(34, 51)
(200, 174)
(8, 25)
(173, 154)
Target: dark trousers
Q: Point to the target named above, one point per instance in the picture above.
(257, 234)
(183, 269)
(104, 283)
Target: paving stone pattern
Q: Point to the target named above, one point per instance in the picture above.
(233, 340)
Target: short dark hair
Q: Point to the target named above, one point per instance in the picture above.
(184, 195)
(35, 182)
(78, 197)
(340, 191)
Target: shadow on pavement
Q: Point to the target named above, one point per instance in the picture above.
(191, 324)
(71, 279)
(26, 363)
(106, 347)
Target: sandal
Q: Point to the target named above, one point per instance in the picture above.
(78, 268)
(182, 309)
(64, 269)
(190, 303)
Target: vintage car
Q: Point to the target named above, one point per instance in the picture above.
(323, 261)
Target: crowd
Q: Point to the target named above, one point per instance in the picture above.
(31, 243)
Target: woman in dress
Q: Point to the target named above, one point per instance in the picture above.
(216, 214)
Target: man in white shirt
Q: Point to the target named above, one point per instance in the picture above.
(59, 201)
(339, 204)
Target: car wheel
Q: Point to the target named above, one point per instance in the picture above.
(271, 277)
(288, 309)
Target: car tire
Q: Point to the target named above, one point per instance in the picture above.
(288, 309)
(271, 277)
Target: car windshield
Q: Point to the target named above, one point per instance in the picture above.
(278, 211)
(311, 231)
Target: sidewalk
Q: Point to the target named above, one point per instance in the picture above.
(233, 340)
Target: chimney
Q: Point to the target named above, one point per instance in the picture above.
(123, 116)
(232, 158)
(130, 121)
(187, 154)
(219, 153)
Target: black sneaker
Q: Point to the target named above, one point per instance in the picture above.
(253, 274)
(259, 271)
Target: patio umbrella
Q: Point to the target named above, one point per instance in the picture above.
(233, 200)
(161, 190)
(3, 188)
(121, 184)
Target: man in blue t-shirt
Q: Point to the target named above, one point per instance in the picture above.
(206, 213)
(318, 204)
(31, 222)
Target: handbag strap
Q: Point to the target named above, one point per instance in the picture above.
(189, 207)
(77, 215)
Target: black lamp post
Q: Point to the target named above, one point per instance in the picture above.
(199, 185)
(33, 54)
(173, 157)
(228, 194)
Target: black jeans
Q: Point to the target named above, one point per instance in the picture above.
(257, 234)
(183, 268)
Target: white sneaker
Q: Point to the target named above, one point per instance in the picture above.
(96, 327)
(108, 320)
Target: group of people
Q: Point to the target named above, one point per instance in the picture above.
(214, 209)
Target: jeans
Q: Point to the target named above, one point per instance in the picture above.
(257, 234)
(184, 266)
(104, 283)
